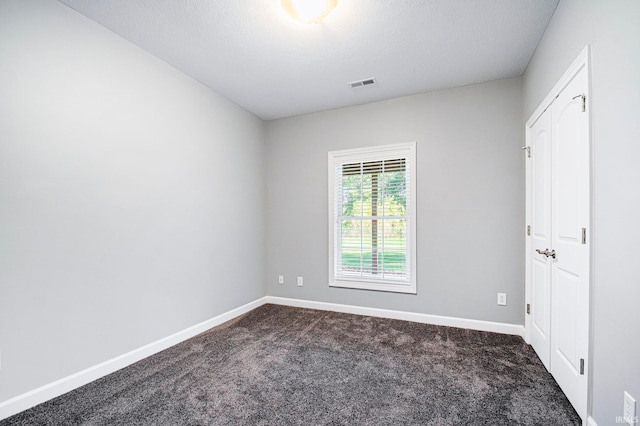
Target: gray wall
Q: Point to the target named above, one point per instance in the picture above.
(470, 199)
(613, 29)
(117, 172)
(131, 197)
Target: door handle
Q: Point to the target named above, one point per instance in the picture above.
(547, 253)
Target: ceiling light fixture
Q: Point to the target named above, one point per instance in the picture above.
(309, 11)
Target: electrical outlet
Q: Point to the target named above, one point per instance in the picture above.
(502, 299)
(280, 279)
(300, 281)
(629, 412)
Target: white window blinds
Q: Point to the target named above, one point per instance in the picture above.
(372, 220)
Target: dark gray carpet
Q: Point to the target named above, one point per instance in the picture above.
(279, 365)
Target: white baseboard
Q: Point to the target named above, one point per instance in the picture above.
(591, 422)
(495, 327)
(44, 393)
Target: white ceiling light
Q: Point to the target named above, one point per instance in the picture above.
(309, 11)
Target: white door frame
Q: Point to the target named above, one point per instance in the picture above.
(582, 61)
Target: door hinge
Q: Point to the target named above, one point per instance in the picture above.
(528, 308)
(529, 230)
(528, 149)
(582, 366)
(584, 235)
(584, 101)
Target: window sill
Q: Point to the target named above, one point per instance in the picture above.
(406, 288)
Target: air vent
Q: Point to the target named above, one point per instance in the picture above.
(361, 83)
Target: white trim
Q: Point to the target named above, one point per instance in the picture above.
(494, 327)
(580, 62)
(375, 153)
(591, 422)
(527, 239)
(44, 393)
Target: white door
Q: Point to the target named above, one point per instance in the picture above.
(539, 266)
(570, 221)
(557, 251)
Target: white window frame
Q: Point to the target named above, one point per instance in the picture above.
(375, 153)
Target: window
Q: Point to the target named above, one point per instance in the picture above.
(372, 204)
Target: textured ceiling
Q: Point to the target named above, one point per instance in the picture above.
(253, 53)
